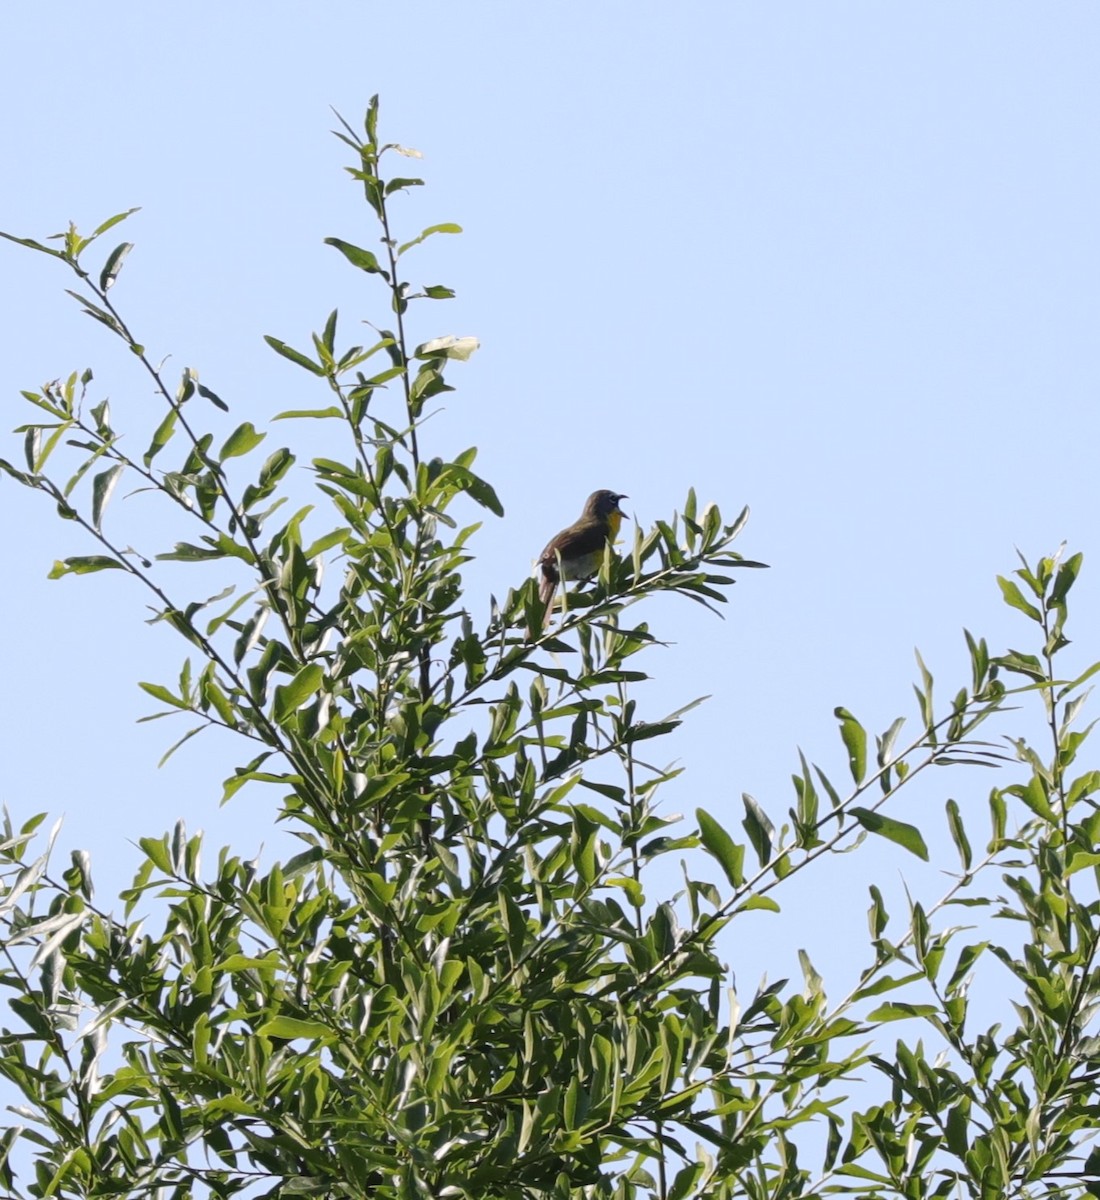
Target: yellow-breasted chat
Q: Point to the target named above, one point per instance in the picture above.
(577, 552)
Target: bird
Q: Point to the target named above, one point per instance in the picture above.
(579, 548)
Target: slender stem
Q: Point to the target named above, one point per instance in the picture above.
(1051, 703)
(399, 307)
(424, 680)
(211, 464)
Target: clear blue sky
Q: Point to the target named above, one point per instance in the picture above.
(838, 261)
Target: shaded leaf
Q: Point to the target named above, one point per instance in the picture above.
(958, 834)
(113, 265)
(213, 397)
(759, 828)
(103, 485)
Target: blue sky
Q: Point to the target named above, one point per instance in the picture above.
(838, 261)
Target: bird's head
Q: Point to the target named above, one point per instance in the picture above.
(604, 506)
(603, 503)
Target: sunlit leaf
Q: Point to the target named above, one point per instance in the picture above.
(1015, 598)
(295, 356)
(730, 855)
(896, 831)
(460, 348)
(446, 227)
(85, 564)
(243, 439)
(365, 260)
(289, 697)
(854, 737)
(292, 1027)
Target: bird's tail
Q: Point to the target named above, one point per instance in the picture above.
(548, 586)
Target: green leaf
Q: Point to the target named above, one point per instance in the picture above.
(176, 745)
(718, 842)
(289, 697)
(21, 476)
(296, 413)
(328, 338)
(460, 348)
(446, 227)
(156, 849)
(326, 542)
(476, 487)
(94, 311)
(958, 834)
(1022, 664)
(31, 244)
(896, 831)
(1064, 580)
(685, 1180)
(163, 432)
(901, 1012)
(213, 695)
(647, 729)
(101, 414)
(213, 397)
(248, 774)
(103, 485)
(295, 356)
(854, 737)
(85, 564)
(186, 552)
(111, 222)
(886, 983)
(398, 184)
(243, 962)
(632, 887)
(358, 257)
(1015, 599)
(243, 439)
(113, 265)
(967, 958)
(291, 1027)
(275, 467)
(924, 695)
(1092, 1164)
(759, 828)
(159, 692)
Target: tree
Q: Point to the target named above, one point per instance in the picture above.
(459, 986)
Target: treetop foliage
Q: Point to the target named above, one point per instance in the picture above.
(461, 985)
